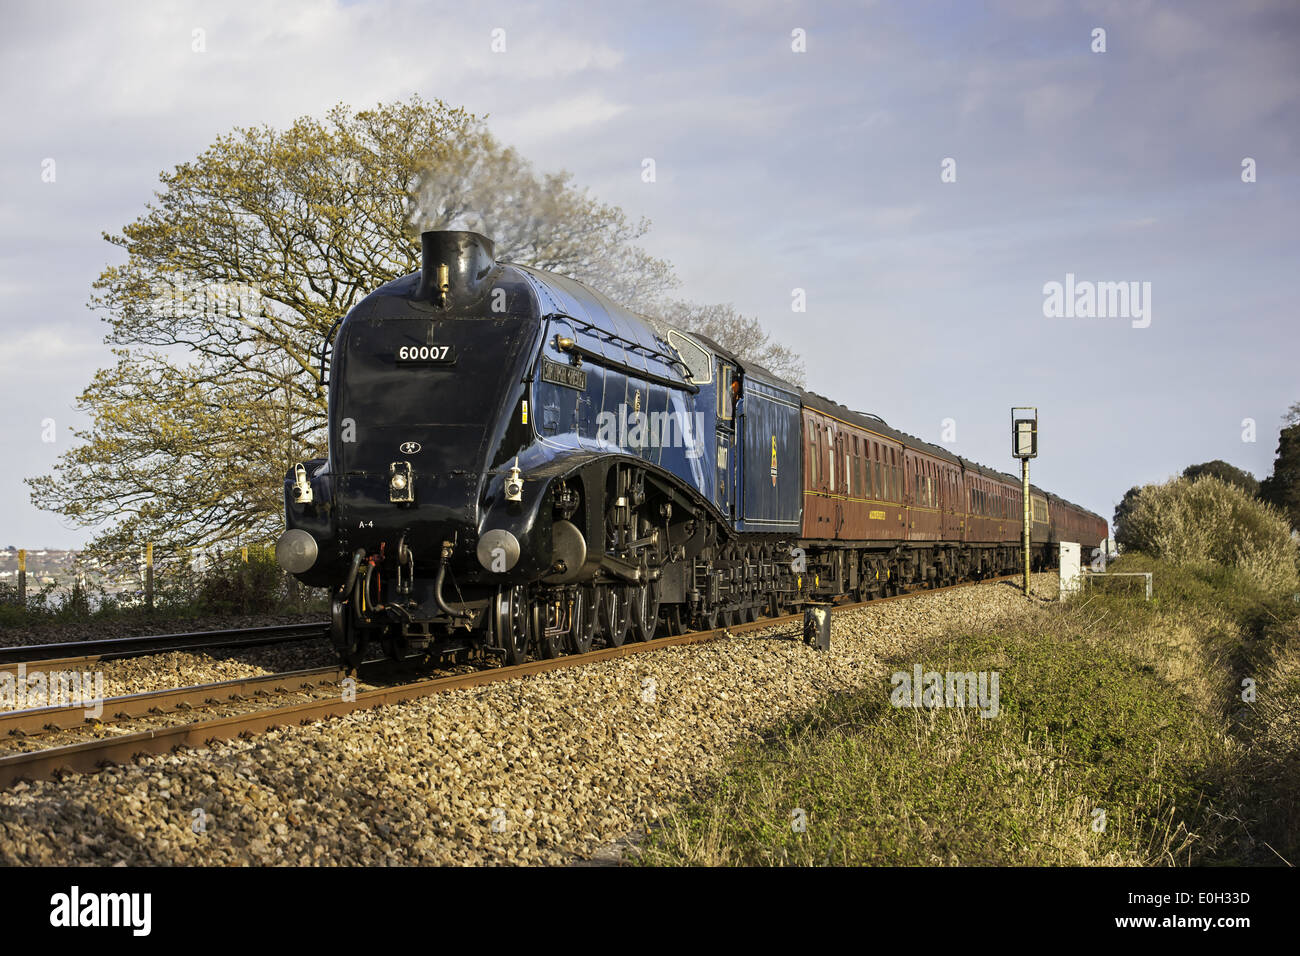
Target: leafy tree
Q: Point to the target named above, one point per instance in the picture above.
(1282, 488)
(1120, 524)
(1224, 472)
(233, 276)
(738, 333)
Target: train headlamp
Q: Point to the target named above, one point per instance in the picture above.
(400, 488)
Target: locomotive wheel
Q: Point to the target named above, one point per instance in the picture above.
(511, 625)
(584, 621)
(672, 615)
(707, 621)
(615, 614)
(645, 610)
(548, 645)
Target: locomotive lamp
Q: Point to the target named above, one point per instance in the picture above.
(400, 488)
(515, 484)
(301, 486)
(1024, 445)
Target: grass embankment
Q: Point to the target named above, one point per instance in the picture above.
(1121, 738)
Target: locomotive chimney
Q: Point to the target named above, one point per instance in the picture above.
(453, 266)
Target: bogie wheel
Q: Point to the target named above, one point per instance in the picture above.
(393, 643)
(348, 639)
(615, 614)
(583, 631)
(707, 621)
(512, 624)
(672, 618)
(645, 610)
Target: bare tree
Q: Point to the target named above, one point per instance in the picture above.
(741, 334)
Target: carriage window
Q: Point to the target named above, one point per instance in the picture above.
(830, 457)
(856, 470)
(814, 457)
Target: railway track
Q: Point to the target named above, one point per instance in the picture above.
(90, 755)
(77, 654)
(40, 721)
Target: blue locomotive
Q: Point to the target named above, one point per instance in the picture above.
(516, 463)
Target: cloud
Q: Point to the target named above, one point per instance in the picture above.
(39, 352)
(558, 118)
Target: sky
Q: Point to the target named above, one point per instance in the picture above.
(921, 171)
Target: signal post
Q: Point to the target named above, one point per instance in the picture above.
(1024, 445)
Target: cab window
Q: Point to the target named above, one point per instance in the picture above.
(725, 375)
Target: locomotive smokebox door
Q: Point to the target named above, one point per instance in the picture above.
(817, 626)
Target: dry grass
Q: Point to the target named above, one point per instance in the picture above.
(1108, 705)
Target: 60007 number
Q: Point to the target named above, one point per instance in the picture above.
(428, 354)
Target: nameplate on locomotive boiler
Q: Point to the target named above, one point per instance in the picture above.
(565, 375)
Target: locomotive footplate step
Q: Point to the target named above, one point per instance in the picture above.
(817, 626)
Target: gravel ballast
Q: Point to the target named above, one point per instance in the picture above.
(59, 632)
(549, 769)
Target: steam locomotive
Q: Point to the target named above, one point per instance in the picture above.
(517, 465)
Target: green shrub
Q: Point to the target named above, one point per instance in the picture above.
(1205, 521)
(234, 586)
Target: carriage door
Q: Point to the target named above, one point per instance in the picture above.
(727, 439)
